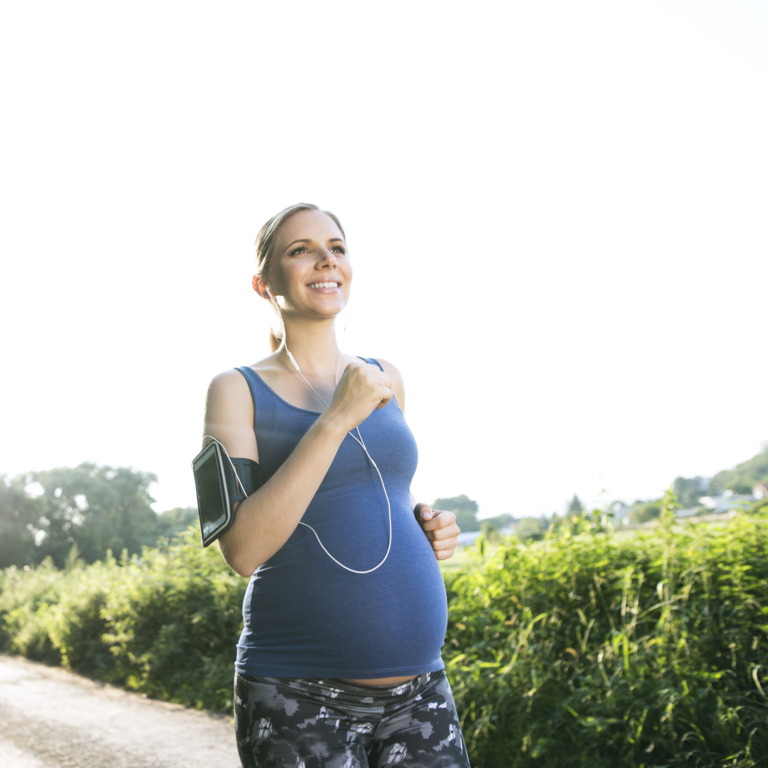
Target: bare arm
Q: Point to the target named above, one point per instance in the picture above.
(266, 519)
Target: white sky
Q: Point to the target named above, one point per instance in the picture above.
(556, 212)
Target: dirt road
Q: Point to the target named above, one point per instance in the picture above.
(51, 718)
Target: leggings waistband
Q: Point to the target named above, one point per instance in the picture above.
(329, 689)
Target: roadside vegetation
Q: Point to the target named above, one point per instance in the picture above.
(584, 649)
(590, 649)
(570, 642)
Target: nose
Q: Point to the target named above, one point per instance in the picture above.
(327, 258)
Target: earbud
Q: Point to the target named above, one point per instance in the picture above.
(261, 288)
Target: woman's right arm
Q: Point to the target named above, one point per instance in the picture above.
(267, 518)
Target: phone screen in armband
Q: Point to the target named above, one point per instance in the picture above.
(213, 503)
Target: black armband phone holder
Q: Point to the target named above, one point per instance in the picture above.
(249, 474)
(221, 483)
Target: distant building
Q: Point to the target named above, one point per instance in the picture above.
(469, 538)
(619, 512)
(725, 502)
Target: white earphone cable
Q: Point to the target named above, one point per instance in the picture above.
(359, 440)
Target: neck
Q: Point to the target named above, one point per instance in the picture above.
(314, 349)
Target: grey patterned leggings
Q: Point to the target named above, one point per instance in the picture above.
(297, 723)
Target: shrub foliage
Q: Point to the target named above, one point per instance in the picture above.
(596, 650)
(586, 649)
(163, 623)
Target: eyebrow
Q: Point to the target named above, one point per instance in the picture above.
(309, 240)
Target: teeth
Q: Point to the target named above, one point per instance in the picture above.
(324, 285)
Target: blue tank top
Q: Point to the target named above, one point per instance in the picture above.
(304, 615)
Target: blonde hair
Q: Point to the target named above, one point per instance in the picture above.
(265, 245)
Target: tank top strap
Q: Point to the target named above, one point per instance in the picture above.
(255, 383)
(372, 361)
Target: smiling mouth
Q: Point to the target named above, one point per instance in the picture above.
(324, 285)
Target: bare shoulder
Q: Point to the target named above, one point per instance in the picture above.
(390, 368)
(232, 383)
(225, 386)
(229, 414)
(398, 386)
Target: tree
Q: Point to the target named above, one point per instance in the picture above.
(530, 528)
(743, 477)
(689, 490)
(491, 527)
(464, 508)
(95, 508)
(496, 523)
(17, 516)
(174, 521)
(644, 511)
(575, 507)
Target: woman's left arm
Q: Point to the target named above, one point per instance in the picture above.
(438, 525)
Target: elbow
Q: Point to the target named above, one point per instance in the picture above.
(245, 571)
(242, 566)
(242, 563)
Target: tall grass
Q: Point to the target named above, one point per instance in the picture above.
(591, 651)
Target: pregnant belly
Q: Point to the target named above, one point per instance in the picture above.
(391, 622)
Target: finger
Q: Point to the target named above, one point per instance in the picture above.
(386, 396)
(435, 530)
(443, 538)
(423, 512)
(439, 519)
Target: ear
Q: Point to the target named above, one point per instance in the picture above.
(260, 287)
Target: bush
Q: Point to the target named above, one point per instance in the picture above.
(25, 601)
(172, 625)
(164, 623)
(76, 624)
(588, 650)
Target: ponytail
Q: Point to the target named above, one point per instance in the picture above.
(274, 340)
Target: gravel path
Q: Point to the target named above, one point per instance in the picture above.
(51, 718)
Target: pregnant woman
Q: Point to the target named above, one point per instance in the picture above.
(339, 662)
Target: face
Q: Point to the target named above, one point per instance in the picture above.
(310, 270)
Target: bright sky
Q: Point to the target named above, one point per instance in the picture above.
(556, 212)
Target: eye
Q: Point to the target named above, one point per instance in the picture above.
(339, 249)
(298, 251)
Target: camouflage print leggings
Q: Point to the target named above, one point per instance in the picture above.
(297, 723)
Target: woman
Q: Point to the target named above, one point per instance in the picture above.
(339, 660)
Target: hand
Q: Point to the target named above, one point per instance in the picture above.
(440, 528)
(361, 389)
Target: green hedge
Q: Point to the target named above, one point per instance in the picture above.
(163, 623)
(605, 651)
(583, 650)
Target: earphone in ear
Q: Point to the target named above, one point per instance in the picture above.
(261, 288)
